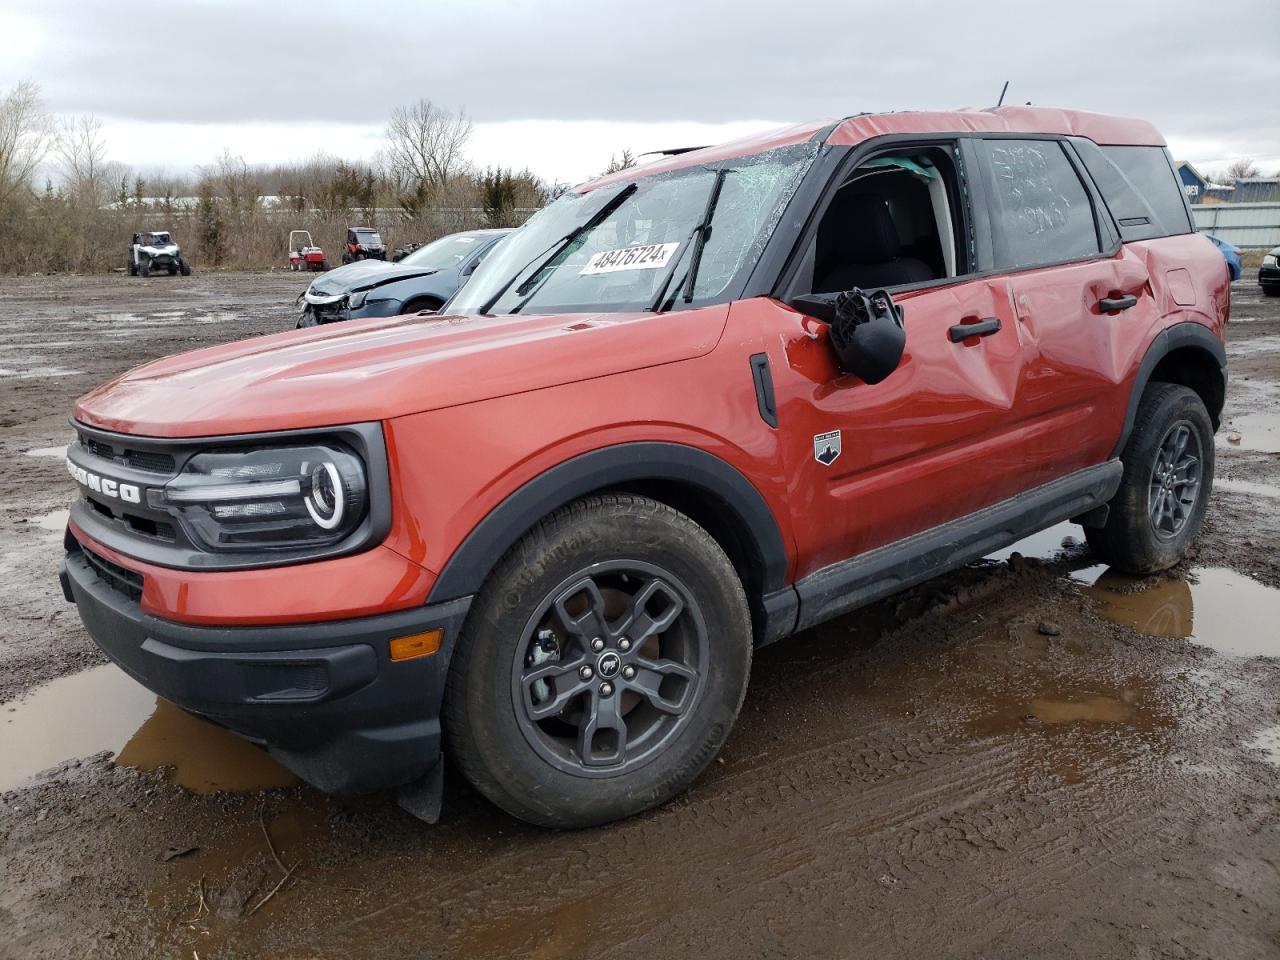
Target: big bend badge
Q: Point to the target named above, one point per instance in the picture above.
(826, 447)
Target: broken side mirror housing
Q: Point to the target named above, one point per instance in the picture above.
(866, 330)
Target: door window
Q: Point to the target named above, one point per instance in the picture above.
(896, 221)
(1040, 211)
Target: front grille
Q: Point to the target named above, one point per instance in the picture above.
(120, 579)
(151, 462)
(138, 459)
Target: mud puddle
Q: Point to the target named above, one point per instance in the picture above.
(1247, 486)
(1253, 431)
(55, 521)
(1268, 741)
(1062, 541)
(105, 709)
(56, 452)
(1218, 608)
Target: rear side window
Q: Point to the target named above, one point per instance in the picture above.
(1149, 172)
(1040, 211)
(1139, 187)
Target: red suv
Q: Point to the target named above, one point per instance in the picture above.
(687, 410)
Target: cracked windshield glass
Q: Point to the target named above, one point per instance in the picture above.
(632, 245)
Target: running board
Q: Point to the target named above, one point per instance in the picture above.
(870, 576)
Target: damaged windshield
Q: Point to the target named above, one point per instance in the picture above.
(443, 253)
(628, 247)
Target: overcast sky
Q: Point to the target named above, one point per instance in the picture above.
(558, 86)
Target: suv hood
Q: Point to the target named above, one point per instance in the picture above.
(364, 275)
(364, 370)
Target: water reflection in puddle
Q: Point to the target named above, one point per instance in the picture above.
(58, 452)
(1252, 431)
(1246, 486)
(1090, 709)
(1268, 741)
(55, 521)
(1050, 544)
(1222, 609)
(105, 709)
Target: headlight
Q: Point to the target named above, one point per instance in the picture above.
(1270, 260)
(356, 300)
(269, 498)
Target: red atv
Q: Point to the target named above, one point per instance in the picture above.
(304, 254)
(363, 243)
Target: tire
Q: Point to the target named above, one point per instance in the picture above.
(173, 270)
(184, 267)
(1271, 291)
(1134, 539)
(133, 268)
(604, 553)
(420, 304)
(324, 265)
(144, 268)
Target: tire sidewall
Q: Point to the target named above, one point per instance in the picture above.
(1167, 406)
(531, 787)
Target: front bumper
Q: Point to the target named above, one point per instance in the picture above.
(324, 698)
(1269, 276)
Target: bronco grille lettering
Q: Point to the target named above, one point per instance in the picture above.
(127, 492)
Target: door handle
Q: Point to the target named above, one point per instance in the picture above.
(1112, 304)
(983, 328)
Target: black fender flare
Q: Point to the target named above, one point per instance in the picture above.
(1185, 334)
(466, 570)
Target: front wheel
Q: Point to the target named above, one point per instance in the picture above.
(1168, 473)
(602, 665)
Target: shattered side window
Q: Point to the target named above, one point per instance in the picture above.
(1040, 210)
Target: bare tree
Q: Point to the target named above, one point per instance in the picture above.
(425, 144)
(1242, 169)
(25, 132)
(618, 163)
(81, 148)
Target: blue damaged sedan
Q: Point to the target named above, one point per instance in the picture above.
(423, 280)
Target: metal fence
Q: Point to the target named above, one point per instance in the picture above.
(1251, 226)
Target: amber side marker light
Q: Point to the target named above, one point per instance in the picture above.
(417, 645)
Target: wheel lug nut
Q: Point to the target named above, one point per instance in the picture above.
(624, 644)
(597, 644)
(628, 672)
(606, 689)
(585, 672)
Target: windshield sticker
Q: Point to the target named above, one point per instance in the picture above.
(645, 256)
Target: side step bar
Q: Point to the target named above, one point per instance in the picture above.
(870, 576)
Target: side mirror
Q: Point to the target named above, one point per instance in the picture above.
(867, 332)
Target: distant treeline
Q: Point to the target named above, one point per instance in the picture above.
(66, 207)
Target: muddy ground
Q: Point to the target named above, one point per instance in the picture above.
(1034, 757)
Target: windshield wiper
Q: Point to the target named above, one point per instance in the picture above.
(554, 250)
(698, 238)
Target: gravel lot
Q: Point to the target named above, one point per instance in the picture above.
(1033, 757)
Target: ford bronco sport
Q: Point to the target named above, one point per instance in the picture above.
(687, 410)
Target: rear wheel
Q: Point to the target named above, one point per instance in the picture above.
(602, 665)
(1168, 473)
